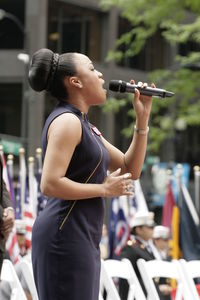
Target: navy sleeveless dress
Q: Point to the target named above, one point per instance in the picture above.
(66, 234)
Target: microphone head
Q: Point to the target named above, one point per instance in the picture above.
(169, 94)
(117, 86)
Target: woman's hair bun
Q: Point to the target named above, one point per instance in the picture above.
(40, 69)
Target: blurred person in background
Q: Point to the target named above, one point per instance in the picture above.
(67, 233)
(21, 237)
(5, 287)
(138, 246)
(160, 242)
(160, 248)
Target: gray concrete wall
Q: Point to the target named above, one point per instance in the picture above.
(36, 28)
(11, 70)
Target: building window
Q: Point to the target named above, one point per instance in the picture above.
(185, 48)
(77, 33)
(12, 24)
(75, 29)
(10, 112)
(151, 57)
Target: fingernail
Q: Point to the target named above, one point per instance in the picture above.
(127, 175)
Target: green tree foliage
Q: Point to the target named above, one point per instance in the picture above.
(179, 22)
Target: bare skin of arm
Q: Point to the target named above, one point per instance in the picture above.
(133, 159)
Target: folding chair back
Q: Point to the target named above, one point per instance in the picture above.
(27, 271)
(122, 269)
(100, 296)
(158, 269)
(107, 283)
(191, 270)
(9, 274)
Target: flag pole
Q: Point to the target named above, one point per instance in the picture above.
(179, 173)
(176, 217)
(169, 176)
(197, 187)
(39, 159)
(10, 168)
(32, 185)
(22, 170)
(10, 161)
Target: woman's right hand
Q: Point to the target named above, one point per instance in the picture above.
(116, 185)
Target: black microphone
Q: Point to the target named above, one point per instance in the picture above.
(125, 87)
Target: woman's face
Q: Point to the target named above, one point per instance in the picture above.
(91, 79)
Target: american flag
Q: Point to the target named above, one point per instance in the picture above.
(28, 217)
(22, 179)
(122, 211)
(24, 204)
(118, 226)
(13, 247)
(137, 202)
(24, 210)
(30, 211)
(33, 186)
(11, 244)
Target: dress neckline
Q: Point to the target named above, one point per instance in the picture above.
(75, 110)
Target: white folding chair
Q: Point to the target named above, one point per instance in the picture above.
(9, 274)
(191, 270)
(27, 271)
(100, 296)
(165, 269)
(120, 269)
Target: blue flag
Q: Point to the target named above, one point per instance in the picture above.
(118, 227)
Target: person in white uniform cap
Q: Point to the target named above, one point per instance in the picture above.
(142, 218)
(137, 246)
(21, 236)
(161, 237)
(160, 249)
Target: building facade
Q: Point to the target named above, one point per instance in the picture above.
(64, 26)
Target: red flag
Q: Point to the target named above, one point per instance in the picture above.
(12, 246)
(168, 207)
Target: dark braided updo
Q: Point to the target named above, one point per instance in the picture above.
(47, 71)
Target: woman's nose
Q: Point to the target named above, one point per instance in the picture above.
(100, 74)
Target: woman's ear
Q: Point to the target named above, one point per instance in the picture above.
(73, 81)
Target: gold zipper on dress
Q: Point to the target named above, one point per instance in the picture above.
(72, 206)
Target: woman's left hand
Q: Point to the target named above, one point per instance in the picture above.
(141, 103)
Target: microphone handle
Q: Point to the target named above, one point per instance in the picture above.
(148, 91)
